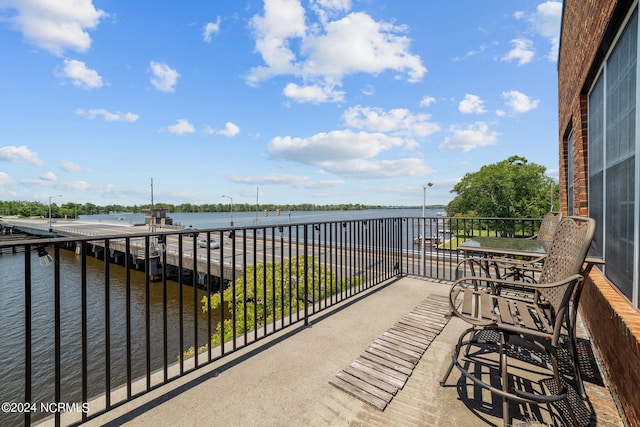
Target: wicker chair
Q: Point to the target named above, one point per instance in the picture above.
(514, 269)
(526, 270)
(548, 226)
(535, 324)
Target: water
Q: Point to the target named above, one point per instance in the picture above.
(249, 219)
(12, 335)
(12, 312)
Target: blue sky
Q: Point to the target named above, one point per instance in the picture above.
(314, 101)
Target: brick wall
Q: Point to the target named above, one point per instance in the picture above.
(615, 330)
(588, 28)
(583, 26)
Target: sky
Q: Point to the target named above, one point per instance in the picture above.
(284, 101)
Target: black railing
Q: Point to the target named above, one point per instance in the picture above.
(91, 322)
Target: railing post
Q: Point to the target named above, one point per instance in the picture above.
(306, 277)
(27, 331)
(422, 236)
(57, 330)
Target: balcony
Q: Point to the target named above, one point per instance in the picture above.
(116, 322)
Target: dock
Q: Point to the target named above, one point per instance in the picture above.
(181, 251)
(120, 239)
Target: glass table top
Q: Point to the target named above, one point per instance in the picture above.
(505, 245)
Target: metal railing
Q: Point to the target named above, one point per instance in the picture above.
(93, 322)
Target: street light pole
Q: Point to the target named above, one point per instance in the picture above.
(231, 209)
(424, 227)
(50, 197)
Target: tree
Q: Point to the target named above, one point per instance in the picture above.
(512, 188)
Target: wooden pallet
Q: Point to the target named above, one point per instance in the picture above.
(384, 368)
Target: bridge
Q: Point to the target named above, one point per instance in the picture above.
(180, 250)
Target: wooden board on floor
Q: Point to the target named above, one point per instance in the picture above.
(384, 368)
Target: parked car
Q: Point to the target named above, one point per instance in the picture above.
(193, 231)
(211, 243)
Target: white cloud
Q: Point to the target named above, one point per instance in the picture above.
(329, 8)
(368, 90)
(5, 179)
(546, 21)
(282, 20)
(230, 129)
(522, 51)
(371, 169)
(48, 177)
(55, 25)
(473, 136)
(347, 153)
(80, 75)
(108, 115)
(210, 28)
(164, 77)
(397, 121)
(297, 181)
(478, 51)
(323, 53)
(313, 93)
(69, 166)
(339, 145)
(427, 101)
(518, 102)
(380, 46)
(181, 127)
(13, 154)
(471, 104)
(76, 185)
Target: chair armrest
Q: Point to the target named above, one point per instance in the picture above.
(492, 282)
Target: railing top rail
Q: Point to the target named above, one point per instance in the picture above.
(142, 233)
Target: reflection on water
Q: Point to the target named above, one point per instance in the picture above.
(12, 327)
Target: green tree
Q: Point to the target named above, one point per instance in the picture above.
(512, 188)
(271, 292)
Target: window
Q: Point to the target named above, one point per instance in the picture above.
(570, 184)
(613, 186)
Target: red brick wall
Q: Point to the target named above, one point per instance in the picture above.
(615, 330)
(584, 22)
(613, 324)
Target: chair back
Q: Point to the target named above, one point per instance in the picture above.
(565, 257)
(548, 226)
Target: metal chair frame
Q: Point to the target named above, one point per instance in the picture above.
(537, 319)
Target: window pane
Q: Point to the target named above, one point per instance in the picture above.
(620, 225)
(619, 174)
(570, 186)
(596, 162)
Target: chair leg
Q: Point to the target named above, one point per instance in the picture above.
(576, 361)
(553, 357)
(504, 374)
(454, 356)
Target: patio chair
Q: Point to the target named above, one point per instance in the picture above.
(526, 270)
(548, 226)
(520, 324)
(515, 269)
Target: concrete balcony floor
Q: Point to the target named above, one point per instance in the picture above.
(284, 380)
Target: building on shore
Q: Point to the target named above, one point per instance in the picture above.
(157, 217)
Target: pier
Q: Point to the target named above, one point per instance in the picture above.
(149, 247)
(178, 248)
